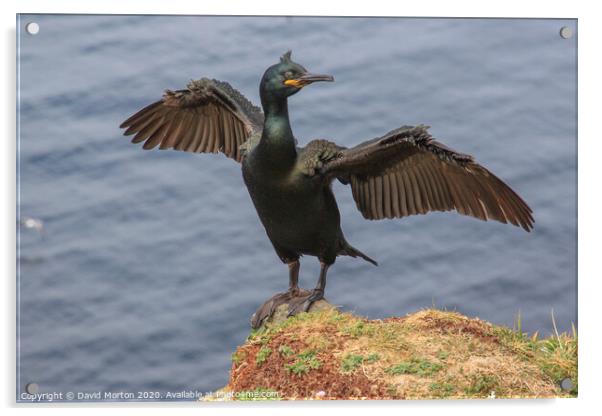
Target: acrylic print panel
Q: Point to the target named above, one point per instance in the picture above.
(138, 271)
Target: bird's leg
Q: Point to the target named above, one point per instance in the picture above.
(303, 302)
(293, 277)
(318, 292)
(266, 310)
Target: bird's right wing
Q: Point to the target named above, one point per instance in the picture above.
(207, 116)
(406, 172)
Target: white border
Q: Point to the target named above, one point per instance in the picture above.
(589, 185)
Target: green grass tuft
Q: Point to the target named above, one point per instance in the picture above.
(442, 389)
(372, 358)
(351, 362)
(358, 329)
(238, 357)
(305, 361)
(416, 366)
(285, 350)
(482, 385)
(556, 356)
(262, 355)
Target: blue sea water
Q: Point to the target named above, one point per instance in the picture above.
(152, 262)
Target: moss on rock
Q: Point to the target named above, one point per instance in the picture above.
(328, 354)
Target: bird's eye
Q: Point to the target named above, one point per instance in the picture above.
(288, 75)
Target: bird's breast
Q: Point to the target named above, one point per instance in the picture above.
(291, 206)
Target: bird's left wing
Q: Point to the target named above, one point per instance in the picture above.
(407, 172)
(208, 116)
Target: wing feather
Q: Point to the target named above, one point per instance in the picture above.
(425, 185)
(387, 197)
(402, 195)
(434, 198)
(177, 131)
(147, 128)
(211, 143)
(207, 116)
(407, 172)
(396, 212)
(188, 131)
(197, 136)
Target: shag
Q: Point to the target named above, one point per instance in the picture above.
(404, 172)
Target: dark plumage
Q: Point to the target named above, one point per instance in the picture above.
(402, 173)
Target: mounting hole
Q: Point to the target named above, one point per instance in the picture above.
(566, 384)
(32, 28)
(566, 32)
(32, 388)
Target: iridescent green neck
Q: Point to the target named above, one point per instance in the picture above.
(277, 139)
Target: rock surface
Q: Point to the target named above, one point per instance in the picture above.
(281, 313)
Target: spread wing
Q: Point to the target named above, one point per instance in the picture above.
(207, 116)
(406, 172)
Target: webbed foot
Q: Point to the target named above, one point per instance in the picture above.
(268, 308)
(302, 303)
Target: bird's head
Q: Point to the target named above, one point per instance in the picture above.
(287, 78)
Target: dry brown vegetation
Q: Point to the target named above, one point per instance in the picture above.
(425, 355)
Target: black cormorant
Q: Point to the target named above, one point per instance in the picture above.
(404, 172)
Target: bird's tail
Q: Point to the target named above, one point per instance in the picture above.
(348, 250)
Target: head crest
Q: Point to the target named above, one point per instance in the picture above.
(286, 57)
